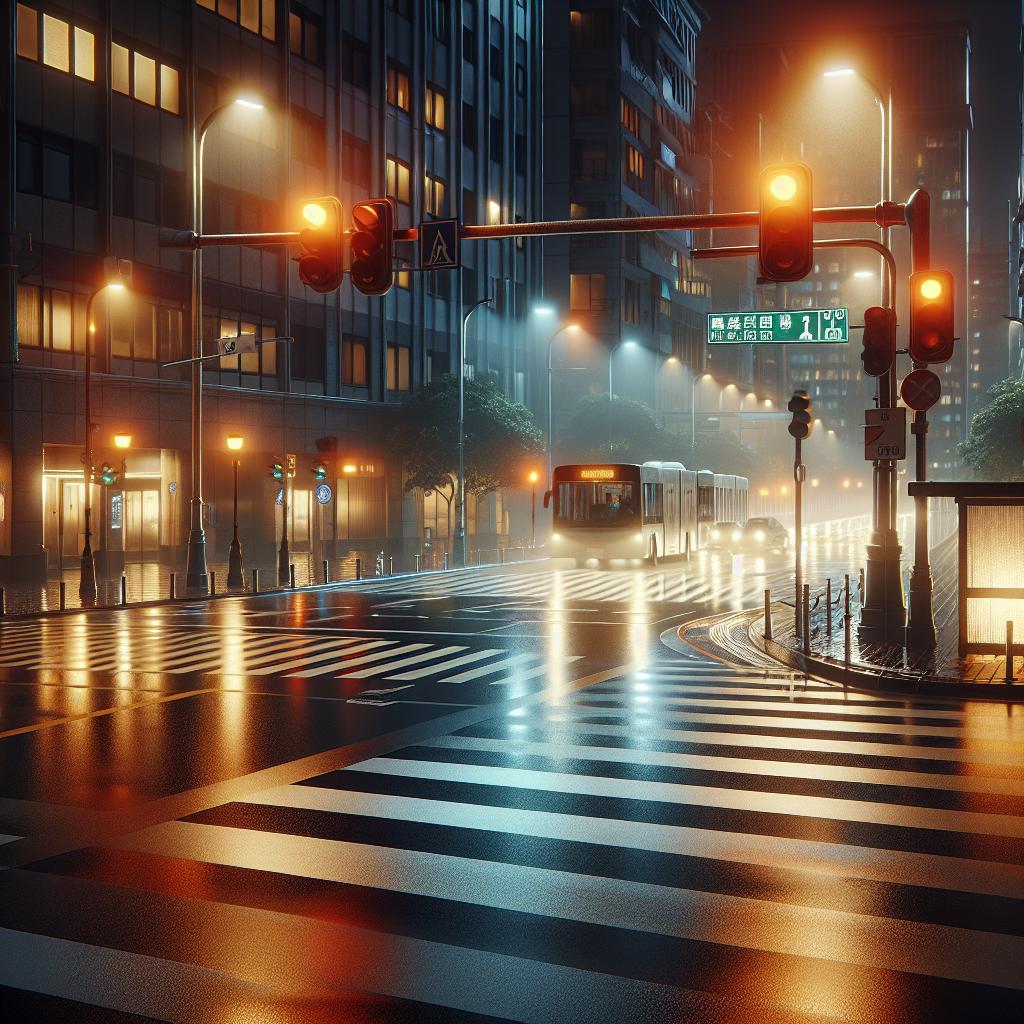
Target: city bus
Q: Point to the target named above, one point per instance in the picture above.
(638, 513)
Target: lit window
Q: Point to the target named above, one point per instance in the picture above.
(28, 33)
(269, 14)
(493, 212)
(435, 108)
(403, 279)
(119, 74)
(249, 15)
(398, 180)
(145, 79)
(56, 43)
(433, 194)
(85, 58)
(169, 91)
(398, 89)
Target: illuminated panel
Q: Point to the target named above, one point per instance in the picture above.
(597, 474)
(995, 561)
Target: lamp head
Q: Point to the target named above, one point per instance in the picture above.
(122, 440)
(235, 442)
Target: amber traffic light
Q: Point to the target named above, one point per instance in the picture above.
(786, 223)
(879, 340)
(372, 245)
(931, 316)
(320, 263)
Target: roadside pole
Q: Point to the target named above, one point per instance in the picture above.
(800, 430)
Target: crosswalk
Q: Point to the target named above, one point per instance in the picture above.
(81, 644)
(685, 842)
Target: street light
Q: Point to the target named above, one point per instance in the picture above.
(236, 578)
(196, 574)
(87, 573)
(461, 552)
(628, 343)
(572, 329)
(534, 476)
(693, 405)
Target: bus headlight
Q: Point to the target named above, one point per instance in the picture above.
(556, 537)
(639, 537)
(759, 535)
(736, 536)
(716, 534)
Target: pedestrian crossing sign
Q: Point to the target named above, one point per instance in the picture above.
(439, 244)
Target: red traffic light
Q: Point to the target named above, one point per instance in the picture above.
(371, 246)
(320, 264)
(786, 223)
(879, 340)
(931, 316)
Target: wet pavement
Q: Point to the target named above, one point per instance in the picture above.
(492, 795)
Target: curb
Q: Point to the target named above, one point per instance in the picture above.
(864, 679)
(165, 602)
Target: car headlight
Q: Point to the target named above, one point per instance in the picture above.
(736, 535)
(556, 536)
(715, 534)
(639, 537)
(759, 535)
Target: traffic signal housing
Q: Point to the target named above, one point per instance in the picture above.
(277, 470)
(931, 316)
(372, 246)
(319, 471)
(108, 475)
(800, 407)
(322, 241)
(879, 340)
(785, 243)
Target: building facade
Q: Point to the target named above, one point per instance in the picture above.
(434, 103)
(621, 140)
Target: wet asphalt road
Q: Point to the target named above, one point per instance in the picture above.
(492, 795)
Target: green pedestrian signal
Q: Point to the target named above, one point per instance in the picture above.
(319, 472)
(108, 475)
(277, 470)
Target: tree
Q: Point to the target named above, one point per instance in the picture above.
(723, 452)
(994, 448)
(619, 430)
(500, 437)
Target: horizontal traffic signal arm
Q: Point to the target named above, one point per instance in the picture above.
(882, 215)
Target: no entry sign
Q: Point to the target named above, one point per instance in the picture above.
(920, 389)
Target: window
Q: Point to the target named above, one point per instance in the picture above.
(434, 193)
(28, 33)
(355, 61)
(308, 137)
(120, 80)
(398, 88)
(590, 159)
(145, 80)
(169, 89)
(85, 55)
(305, 30)
(589, 30)
(496, 62)
(256, 16)
(399, 361)
(402, 7)
(497, 140)
(630, 115)
(398, 180)
(56, 43)
(353, 362)
(440, 20)
(356, 156)
(590, 97)
(30, 327)
(468, 126)
(493, 212)
(57, 169)
(434, 113)
(308, 353)
(520, 80)
(403, 279)
(630, 302)
(587, 292)
(634, 162)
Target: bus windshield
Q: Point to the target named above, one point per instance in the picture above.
(607, 503)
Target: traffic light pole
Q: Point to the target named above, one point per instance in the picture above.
(799, 474)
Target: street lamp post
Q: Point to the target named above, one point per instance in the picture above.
(196, 573)
(236, 578)
(551, 436)
(533, 508)
(87, 575)
(461, 553)
(122, 441)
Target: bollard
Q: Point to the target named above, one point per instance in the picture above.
(213, 582)
(445, 564)
(291, 575)
(828, 606)
(327, 571)
(124, 589)
(255, 581)
(1008, 676)
(171, 585)
(846, 619)
(687, 545)
(860, 586)
(416, 563)
(391, 565)
(767, 613)
(359, 568)
(806, 605)
(63, 595)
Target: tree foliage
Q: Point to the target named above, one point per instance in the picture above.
(501, 437)
(994, 448)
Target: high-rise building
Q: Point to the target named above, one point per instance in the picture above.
(621, 139)
(435, 104)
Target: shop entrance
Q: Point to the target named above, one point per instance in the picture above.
(141, 525)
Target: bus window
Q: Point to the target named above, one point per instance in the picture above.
(654, 495)
(608, 503)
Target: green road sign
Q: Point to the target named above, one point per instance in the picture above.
(791, 327)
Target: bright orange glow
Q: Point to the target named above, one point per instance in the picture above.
(783, 187)
(931, 288)
(534, 476)
(122, 440)
(235, 442)
(846, 483)
(348, 468)
(597, 474)
(572, 327)
(315, 214)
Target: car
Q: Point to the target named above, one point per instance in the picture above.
(763, 534)
(725, 536)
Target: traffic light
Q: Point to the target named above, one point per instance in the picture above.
(319, 472)
(371, 246)
(879, 340)
(320, 264)
(800, 407)
(108, 475)
(277, 470)
(931, 316)
(786, 223)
